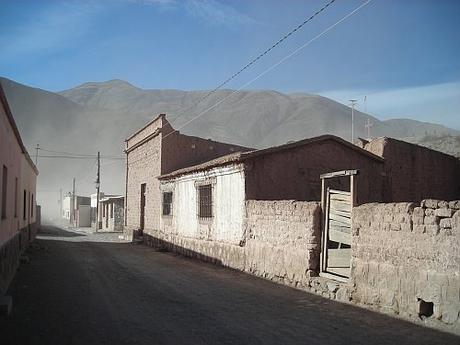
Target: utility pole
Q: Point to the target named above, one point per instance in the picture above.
(98, 185)
(36, 154)
(368, 126)
(72, 217)
(353, 102)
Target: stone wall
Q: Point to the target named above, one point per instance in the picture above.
(281, 242)
(406, 258)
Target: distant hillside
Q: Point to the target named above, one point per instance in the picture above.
(99, 116)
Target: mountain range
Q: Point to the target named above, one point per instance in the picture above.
(99, 116)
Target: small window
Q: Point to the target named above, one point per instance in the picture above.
(32, 206)
(111, 210)
(4, 187)
(205, 201)
(167, 203)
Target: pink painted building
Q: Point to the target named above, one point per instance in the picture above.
(18, 177)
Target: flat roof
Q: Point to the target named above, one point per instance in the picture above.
(242, 156)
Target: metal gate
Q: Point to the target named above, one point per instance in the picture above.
(336, 238)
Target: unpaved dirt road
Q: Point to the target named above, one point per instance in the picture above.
(88, 289)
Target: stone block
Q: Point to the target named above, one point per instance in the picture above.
(443, 212)
(429, 212)
(450, 315)
(455, 204)
(417, 220)
(432, 230)
(446, 223)
(343, 295)
(431, 220)
(332, 286)
(429, 203)
(419, 212)
(443, 204)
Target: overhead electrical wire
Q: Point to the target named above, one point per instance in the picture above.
(272, 66)
(258, 57)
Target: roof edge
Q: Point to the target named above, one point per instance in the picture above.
(145, 126)
(10, 117)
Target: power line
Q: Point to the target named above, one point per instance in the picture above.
(76, 155)
(79, 157)
(258, 57)
(272, 67)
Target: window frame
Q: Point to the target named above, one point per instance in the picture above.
(170, 203)
(199, 185)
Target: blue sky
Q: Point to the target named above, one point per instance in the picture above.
(403, 55)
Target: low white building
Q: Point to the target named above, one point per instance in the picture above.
(205, 204)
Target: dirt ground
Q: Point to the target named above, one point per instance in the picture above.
(88, 289)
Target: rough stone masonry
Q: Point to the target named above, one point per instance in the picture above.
(406, 258)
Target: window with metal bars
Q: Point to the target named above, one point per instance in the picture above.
(167, 203)
(205, 201)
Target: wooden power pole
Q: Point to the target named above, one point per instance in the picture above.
(98, 186)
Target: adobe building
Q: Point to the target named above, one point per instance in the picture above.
(77, 210)
(415, 172)
(18, 212)
(154, 150)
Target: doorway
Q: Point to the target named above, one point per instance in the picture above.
(142, 213)
(337, 208)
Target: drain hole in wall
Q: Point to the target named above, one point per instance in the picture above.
(425, 309)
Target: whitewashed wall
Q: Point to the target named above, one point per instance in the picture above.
(228, 195)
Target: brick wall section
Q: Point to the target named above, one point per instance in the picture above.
(282, 241)
(413, 175)
(405, 252)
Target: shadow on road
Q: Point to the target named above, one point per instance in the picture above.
(77, 292)
(54, 231)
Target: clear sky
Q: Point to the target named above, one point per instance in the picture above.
(403, 55)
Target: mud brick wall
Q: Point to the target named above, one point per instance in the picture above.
(283, 239)
(281, 242)
(406, 258)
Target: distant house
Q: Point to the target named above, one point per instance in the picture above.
(77, 210)
(93, 197)
(18, 212)
(112, 213)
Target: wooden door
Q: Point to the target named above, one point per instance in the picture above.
(142, 214)
(337, 251)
